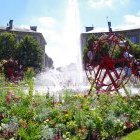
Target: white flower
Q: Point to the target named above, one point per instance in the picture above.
(124, 127)
(11, 139)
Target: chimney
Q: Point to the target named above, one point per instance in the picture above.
(89, 28)
(10, 24)
(109, 26)
(33, 28)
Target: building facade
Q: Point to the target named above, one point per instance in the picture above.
(132, 34)
(22, 32)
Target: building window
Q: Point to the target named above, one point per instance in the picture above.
(133, 39)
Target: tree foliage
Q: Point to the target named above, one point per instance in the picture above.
(134, 48)
(29, 53)
(8, 45)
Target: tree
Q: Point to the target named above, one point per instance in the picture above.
(30, 53)
(136, 50)
(8, 45)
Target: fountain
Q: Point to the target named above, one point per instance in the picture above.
(70, 76)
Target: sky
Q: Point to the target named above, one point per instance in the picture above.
(61, 21)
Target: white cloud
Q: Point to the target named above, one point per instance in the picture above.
(47, 21)
(100, 3)
(132, 20)
(96, 4)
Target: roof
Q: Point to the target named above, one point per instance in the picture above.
(104, 30)
(22, 30)
(18, 29)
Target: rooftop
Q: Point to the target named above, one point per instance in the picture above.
(33, 29)
(102, 30)
(10, 27)
(19, 29)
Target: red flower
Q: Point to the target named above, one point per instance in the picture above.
(1, 116)
(129, 124)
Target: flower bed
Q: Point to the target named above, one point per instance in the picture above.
(73, 117)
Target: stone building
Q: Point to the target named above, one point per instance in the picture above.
(22, 32)
(132, 34)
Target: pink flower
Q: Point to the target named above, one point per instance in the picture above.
(9, 97)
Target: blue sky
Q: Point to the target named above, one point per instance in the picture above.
(51, 17)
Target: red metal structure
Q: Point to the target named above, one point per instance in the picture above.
(109, 62)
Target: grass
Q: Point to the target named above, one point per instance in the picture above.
(135, 135)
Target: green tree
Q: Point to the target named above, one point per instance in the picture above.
(30, 53)
(136, 50)
(8, 45)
